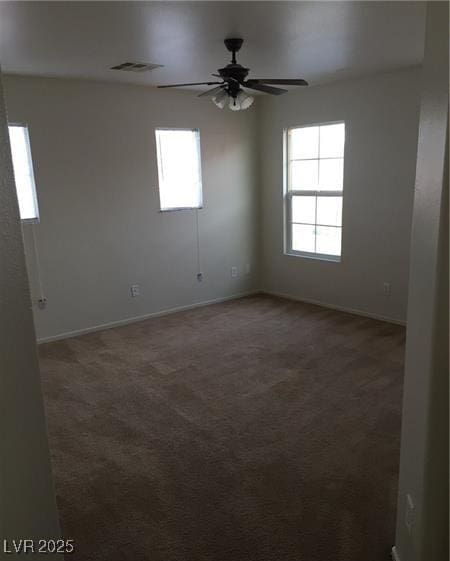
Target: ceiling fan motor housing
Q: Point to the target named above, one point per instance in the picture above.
(234, 74)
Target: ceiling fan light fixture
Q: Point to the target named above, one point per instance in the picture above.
(234, 104)
(220, 99)
(245, 100)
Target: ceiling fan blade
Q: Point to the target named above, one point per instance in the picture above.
(280, 81)
(212, 91)
(263, 88)
(191, 84)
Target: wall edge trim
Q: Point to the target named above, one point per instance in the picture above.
(136, 319)
(335, 307)
(167, 311)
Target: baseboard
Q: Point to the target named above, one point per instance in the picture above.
(135, 319)
(395, 556)
(334, 307)
(118, 323)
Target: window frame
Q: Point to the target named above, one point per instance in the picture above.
(159, 163)
(36, 219)
(288, 195)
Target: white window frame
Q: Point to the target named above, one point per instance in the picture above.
(160, 167)
(36, 219)
(290, 193)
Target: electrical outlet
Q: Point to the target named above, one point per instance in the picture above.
(42, 303)
(200, 277)
(387, 288)
(234, 272)
(135, 290)
(409, 513)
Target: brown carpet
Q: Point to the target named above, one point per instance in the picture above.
(254, 430)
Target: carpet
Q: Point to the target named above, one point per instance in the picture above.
(258, 429)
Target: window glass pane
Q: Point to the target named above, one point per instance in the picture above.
(316, 164)
(303, 238)
(328, 240)
(332, 141)
(331, 174)
(23, 172)
(329, 211)
(304, 209)
(25, 196)
(304, 143)
(179, 168)
(304, 174)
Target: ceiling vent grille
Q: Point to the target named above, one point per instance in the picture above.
(136, 66)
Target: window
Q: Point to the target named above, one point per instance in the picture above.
(23, 172)
(179, 168)
(314, 188)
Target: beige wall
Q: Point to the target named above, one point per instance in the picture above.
(94, 155)
(424, 448)
(101, 230)
(27, 502)
(381, 115)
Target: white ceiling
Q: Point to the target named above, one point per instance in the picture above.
(318, 41)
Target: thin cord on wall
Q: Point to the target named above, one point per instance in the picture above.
(38, 264)
(198, 242)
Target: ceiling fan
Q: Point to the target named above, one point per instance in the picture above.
(234, 79)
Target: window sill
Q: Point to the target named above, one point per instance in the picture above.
(30, 220)
(180, 208)
(315, 256)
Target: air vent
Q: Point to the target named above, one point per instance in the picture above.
(136, 66)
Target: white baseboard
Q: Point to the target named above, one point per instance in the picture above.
(118, 323)
(395, 556)
(135, 319)
(334, 307)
